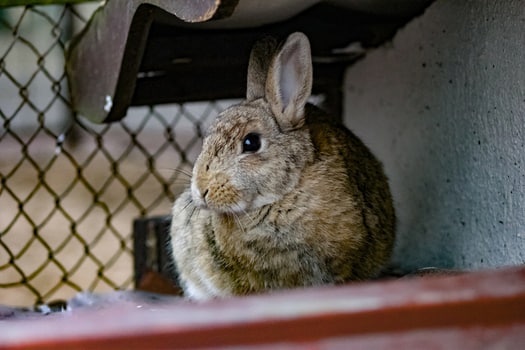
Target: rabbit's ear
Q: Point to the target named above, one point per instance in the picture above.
(260, 58)
(289, 81)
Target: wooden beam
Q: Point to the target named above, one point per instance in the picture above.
(103, 61)
(472, 310)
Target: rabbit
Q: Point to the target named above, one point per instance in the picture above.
(281, 195)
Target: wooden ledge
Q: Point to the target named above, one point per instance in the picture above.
(471, 311)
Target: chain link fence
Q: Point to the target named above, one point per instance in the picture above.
(70, 189)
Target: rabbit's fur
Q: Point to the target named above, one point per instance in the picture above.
(311, 206)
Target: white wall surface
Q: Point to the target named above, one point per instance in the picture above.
(443, 106)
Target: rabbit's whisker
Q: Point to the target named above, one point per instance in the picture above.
(239, 223)
(177, 170)
(187, 205)
(193, 210)
(250, 218)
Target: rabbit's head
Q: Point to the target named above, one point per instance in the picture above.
(254, 152)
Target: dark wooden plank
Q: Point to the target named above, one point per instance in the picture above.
(152, 254)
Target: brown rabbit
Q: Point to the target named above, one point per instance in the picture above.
(280, 196)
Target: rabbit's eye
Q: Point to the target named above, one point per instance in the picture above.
(251, 143)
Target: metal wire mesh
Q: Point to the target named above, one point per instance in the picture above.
(70, 189)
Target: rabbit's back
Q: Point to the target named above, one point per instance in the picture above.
(364, 187)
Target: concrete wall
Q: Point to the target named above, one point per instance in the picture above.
(443, 106)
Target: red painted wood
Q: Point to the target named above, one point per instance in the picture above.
(154, 282)
(472, 310)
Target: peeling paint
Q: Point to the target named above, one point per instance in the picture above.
(108, 104)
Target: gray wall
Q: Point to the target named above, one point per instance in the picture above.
(443, 106)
